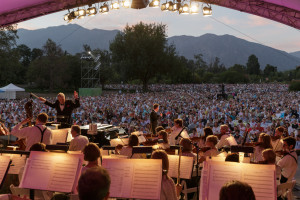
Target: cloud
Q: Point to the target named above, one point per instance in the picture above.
(229, 21)
(254, 21)
(208, 27)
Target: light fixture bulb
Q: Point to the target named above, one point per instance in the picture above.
(66, 17)
(207, 11)
(91, 11)
(126, 4)
(115, 5)
(194, 9)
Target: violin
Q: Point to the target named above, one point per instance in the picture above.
(274, 138)
(282, 153)
(150, 142)
(203, 149)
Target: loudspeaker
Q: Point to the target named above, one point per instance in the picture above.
(139, 4)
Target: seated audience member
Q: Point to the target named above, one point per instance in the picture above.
(163, 135)
(236, 190)
(207, 131)
(94, 184)
(264, 142)
(79, 141)
(232, 157)
(226, 138)
(34, 134)
(92, 155)
(168, 189)
(127, 150)
(211, 142)
(289, 162)
(187, 148)
(277, 143)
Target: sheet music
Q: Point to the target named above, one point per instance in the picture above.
(186, 166)
(58, 171)
(134, 178)
(4, 163)
(17, 163)
(60, 135)
(260, 177)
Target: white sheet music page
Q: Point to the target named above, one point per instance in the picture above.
(134, 178)
(17, 163)
(147, 179)
(186, 166)
(260, 177)
(59, 136)
(120, 171)
(58, 171)
(4, 162)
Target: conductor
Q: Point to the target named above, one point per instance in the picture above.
(63, 107)
(154, 116)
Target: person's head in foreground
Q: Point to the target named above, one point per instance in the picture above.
(161, 154)
(236, 190)
(94, 184)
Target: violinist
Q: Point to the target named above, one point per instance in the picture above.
(178, 132)
(211, 142)
(264, 142)
(277, 141)
(207, 131)
(163, 135)
(226, 139)
(187, 148)
(269, 158)
(289, 162)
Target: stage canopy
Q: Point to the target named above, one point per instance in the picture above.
(283, 11)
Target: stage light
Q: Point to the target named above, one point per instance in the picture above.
(66, 17)
(171, 6)
(194, 8)
(176, 7)
(184, 9)
(165, 6)
(91, 11)
(126, 3)
(81, 13)
(207, 11)
(104, 9)
(115, 5)
(71, 16)
(154, 4)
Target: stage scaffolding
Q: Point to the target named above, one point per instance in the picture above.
(90, 71)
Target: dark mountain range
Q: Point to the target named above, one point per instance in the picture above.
(231, 50)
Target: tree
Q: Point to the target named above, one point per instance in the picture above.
(253, 66)
(140, 52)
(269, 69)
(106, 71)
(238, 68)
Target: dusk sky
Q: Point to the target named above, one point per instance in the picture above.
(224, 21)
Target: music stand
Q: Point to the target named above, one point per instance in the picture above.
(141, 150)
(236, 149)
(51, 147)
(108, 148)
(15, 152)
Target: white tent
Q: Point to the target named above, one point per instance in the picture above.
(10, 91)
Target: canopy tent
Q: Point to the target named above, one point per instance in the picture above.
(283, 11)
(10, 91)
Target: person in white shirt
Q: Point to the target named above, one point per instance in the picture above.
(34, 134)
(178, 132)
(278, 143)
(211, 142)
(226, 138)
(289, 162)
(79, 141)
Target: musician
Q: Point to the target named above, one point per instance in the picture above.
(226, 139)
(94, 184)
(164, 136)
(127, 150)
(187, 148)
(154, 116)
(79, 141)
(168, 189)
(34, 134)
(92, 155)
(63, 107)
(178, 132)
(277, 141)
(289, 162)
(236, 190)
(264, 142)
(211, 141)
(207, 131)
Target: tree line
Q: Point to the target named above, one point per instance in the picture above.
(139, 54)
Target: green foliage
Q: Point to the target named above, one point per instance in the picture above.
(294, 86)
(141, 52)
(253, 66)
(231, 76)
